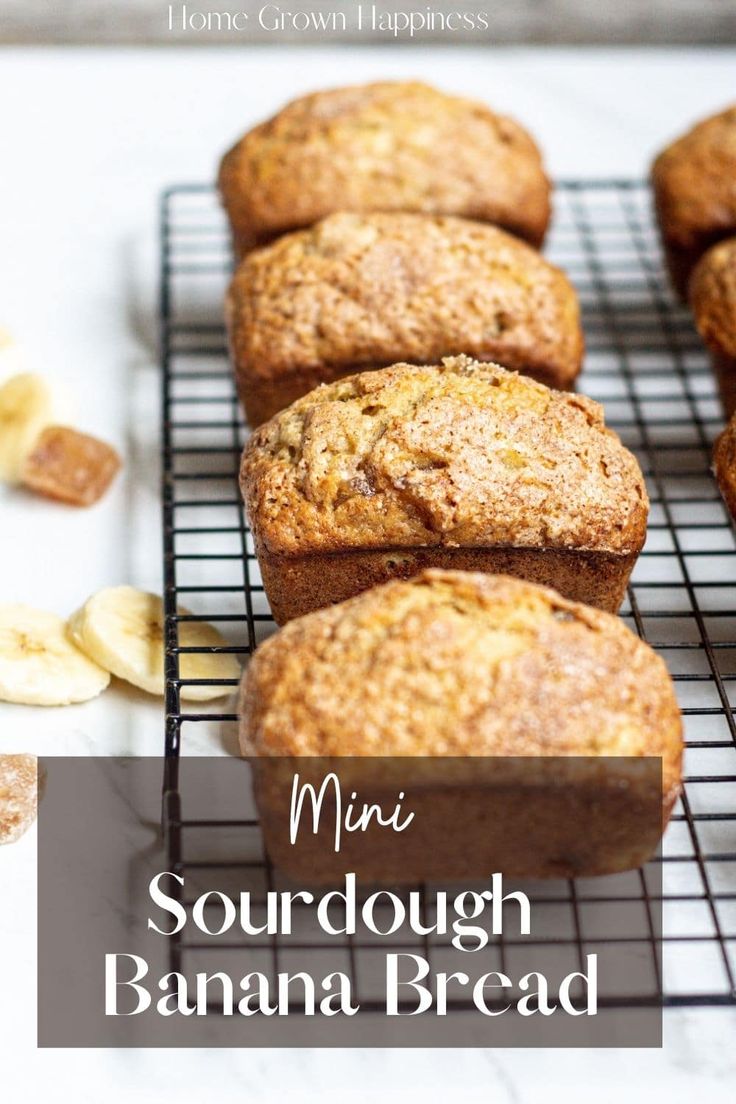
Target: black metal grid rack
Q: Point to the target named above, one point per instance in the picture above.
(647, 366)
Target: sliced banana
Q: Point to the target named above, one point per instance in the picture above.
(26, 407)
(39, 665)
(74, 628)
(122, 629)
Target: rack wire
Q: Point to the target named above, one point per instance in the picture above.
(647, 366)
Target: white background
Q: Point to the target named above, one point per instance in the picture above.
(87, 138)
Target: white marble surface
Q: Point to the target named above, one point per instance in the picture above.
(87, 140)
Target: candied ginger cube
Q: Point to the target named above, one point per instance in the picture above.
(70, 466)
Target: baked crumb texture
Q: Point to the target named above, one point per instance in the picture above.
(363, 291)
(694, 182)
(462, 465)
(389, 146)
(713, 300)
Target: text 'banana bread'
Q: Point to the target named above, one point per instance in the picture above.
(459, 664)
(390, 146)
(694, 182)
(364, 291)
(461, 465)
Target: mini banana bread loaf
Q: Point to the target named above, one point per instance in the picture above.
(724, 464)
(360, 291)
(454, 665)
(460, 465)
(713, 299)
(391, 146)
(694, 182)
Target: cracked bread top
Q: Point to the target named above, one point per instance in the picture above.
(367, 290)
(694, 182)
(456, 454)
(388, 146)
(712, 294)
(438, 664)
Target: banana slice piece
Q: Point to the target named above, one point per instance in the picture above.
(39, 665)
(26, 407)
(122, 629)
(74, 629)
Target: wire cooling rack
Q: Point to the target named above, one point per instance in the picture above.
(646, 365)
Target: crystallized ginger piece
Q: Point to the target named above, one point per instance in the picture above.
(18, 795)
(70, 466)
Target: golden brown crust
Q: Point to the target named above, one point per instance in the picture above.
(694, 182)
(724, 464)
(296, 585)
(359, 291)
(389, 146)
(439, 664)
(18, 795)
(724, 369)
(713, 297)
(456, 455)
